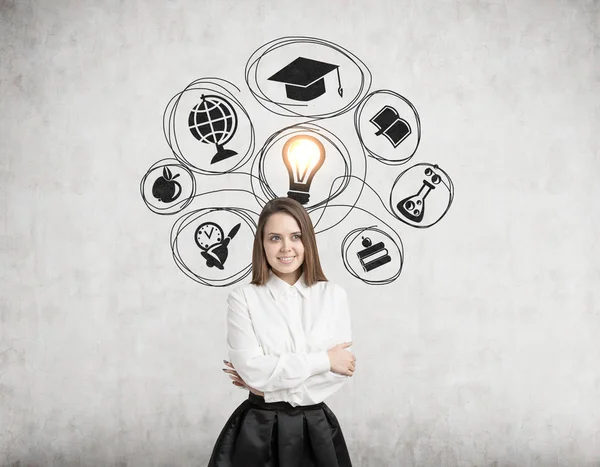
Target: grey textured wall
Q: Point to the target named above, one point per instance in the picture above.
(485, 352)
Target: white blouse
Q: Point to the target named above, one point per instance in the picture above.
(278, 336)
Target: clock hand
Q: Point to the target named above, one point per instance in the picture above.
(211, 231)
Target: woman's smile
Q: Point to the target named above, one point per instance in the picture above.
(286, 259)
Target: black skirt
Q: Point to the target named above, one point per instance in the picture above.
(276, 434)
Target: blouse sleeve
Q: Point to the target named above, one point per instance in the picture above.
(259, 371)
(317, 388)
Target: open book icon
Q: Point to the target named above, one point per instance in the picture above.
(390, 124)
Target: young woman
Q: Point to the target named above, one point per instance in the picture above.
(289, 339)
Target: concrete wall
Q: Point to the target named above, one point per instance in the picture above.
(483, 353)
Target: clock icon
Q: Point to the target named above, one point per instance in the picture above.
(208, 234)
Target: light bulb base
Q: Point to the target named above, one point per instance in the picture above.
(301, 196)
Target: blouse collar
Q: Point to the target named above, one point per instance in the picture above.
(278, 286)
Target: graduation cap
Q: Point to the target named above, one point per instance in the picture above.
(303, 78)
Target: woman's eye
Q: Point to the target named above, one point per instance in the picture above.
(275, 238)
(296, 236)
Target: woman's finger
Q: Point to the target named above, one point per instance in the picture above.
(235, 376)
(237, 379)
(240, 385)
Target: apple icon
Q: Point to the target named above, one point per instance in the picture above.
(165, 188)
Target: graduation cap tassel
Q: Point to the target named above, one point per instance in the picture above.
(340, 89)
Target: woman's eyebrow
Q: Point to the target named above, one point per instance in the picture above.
(275, 233)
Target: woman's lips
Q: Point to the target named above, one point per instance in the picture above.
(286, 259)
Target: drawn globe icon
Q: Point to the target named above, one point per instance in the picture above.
(214, 121)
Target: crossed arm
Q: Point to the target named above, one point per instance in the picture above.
(300, 379)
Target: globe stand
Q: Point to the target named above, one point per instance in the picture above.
(222, 154)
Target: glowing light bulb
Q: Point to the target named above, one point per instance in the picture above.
(303, 156)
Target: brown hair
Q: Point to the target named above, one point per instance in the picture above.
(311, 265)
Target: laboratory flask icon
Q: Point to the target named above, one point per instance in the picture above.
(373, 256)
(413, 207)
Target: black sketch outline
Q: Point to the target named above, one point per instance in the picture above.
(449, 186)
(215, 85)
(357, 119)
(222, 153)
(258, 164)
(353, 235)
(190, 217)
(251, 78)
(383, 131)
(370, 249)
(259, 187)
(183, 202)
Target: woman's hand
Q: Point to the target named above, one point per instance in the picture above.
(342, 361)
(238, 381)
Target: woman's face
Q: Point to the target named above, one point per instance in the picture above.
(282, 241)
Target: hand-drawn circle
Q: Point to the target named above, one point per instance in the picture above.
(389, 143)
(425, 196)
(180, 128)
(181, 179)
(271, 148)
(348, 63)
(193, 271)
(357, 234)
